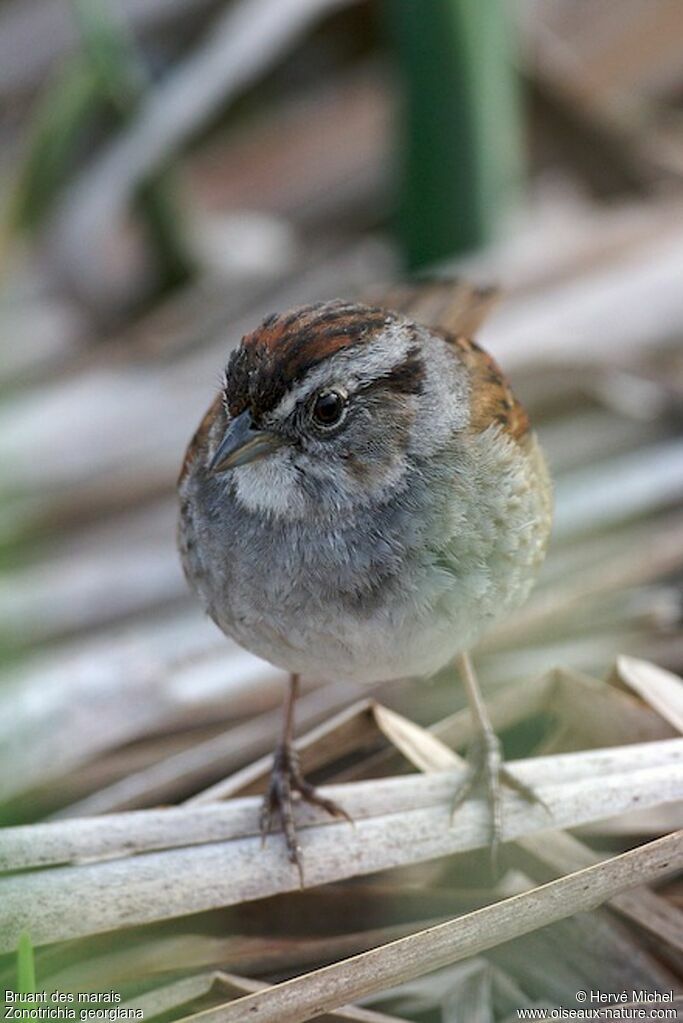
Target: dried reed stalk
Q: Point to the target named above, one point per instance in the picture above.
(399, 821)
(306, 997)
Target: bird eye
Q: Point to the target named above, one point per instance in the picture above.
(329, 408)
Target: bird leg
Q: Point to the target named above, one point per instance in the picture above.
(287, 781)
(486, 762)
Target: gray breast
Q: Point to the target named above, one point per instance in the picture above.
(257, 573)
(378, 593)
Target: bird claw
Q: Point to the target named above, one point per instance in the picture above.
(486, 766)
(286, 780)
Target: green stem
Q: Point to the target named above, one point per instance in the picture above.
(26, 969)
(462, 135)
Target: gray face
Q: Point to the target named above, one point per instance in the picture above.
(348, 431)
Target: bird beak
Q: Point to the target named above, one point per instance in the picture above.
(243, 443)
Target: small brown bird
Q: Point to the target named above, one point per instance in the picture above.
(363, 499)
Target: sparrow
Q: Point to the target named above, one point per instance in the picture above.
(363, 499)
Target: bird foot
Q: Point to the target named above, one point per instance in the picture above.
(486, 767)
(287, 784)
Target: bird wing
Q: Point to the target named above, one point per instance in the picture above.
(492, 400)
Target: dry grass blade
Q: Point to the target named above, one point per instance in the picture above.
(167, 956)
(636, 483)
(62, 710)
(345, 731)
(399, 821)
(420, 747)
(125, 834)
(171, 996)
(615, 717)
(512, 705)
(661, 689)
(563, 853)
(560, 851)
(636, 826)
(623, 307)
(561, 694)
(161, 781)
(306, 997)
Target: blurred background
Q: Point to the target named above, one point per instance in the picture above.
(171, 171)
